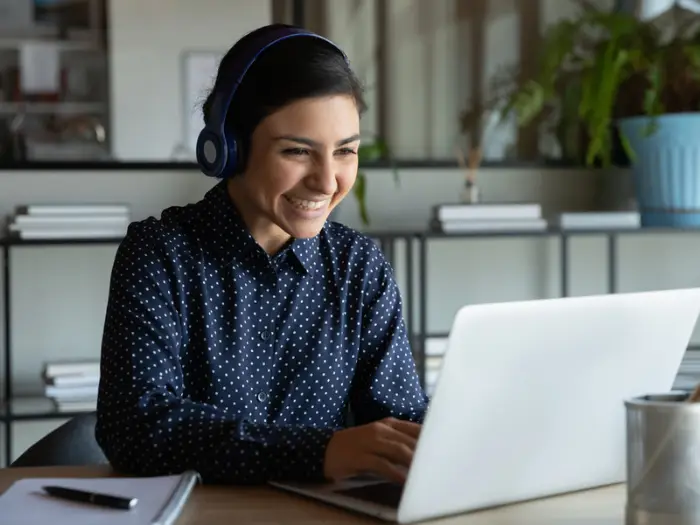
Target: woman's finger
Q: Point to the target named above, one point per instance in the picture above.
(386, 469)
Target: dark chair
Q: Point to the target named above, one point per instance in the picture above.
(73, 443)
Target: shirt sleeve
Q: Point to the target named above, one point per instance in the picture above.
(386, 383)
(146, 425)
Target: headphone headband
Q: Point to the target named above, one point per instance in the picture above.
(217, 153)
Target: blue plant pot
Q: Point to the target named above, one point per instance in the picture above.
(666, 168)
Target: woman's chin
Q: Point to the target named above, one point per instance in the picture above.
(305, 230)
(301, 223)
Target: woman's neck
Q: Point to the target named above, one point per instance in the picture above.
(265, 232)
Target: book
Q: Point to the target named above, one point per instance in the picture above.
(477, 226)
(160, 500)
(592, 220)
(74, 209)
(71, 392)
(448, 212)
(69, 233)
(89, 367)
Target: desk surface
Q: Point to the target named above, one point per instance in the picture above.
(215, 505)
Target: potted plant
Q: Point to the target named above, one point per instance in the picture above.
(370, 150)
(612, 79)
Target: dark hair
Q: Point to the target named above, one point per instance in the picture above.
(293, 69)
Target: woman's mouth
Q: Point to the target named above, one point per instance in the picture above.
(307, 205)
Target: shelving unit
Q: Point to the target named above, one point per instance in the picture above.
(68, 120)
(16, 409)
(58, 108)
(13, 408)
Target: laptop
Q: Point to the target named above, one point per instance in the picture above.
(529, 403)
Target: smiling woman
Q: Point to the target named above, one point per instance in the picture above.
(241, 328)
(296, 125)
(302, 163)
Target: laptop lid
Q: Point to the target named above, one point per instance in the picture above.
(529, 401)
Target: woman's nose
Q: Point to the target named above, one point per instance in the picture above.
(323, 179)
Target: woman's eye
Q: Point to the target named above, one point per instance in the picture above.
(347, 151)
(295, 151)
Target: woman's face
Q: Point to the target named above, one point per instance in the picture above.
(302, 163)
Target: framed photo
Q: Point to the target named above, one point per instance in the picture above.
(198, 75)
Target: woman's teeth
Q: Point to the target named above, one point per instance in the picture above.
(306, 205)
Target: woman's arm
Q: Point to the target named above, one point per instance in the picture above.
(145, 424)
(386, 383)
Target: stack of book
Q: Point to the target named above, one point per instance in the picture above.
(434, 352)
(484, 217)
(599, 220)
(72, 385)
(689, 372)
(69, 221)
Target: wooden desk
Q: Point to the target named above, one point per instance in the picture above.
(214, 505)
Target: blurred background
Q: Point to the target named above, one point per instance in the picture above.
(493, 167)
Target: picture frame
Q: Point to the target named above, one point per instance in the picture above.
(198, 73)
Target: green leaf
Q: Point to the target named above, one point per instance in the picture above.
(370, 152)
(378, 149)
(653, 104)
(629, 150)
(360, 191)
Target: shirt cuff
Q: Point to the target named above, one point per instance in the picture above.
(293, 453)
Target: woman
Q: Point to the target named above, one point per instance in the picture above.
(241, 328)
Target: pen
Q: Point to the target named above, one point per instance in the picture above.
(83, 496)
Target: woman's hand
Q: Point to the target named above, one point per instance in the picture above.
(384, 448)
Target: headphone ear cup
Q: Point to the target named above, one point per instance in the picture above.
(241, 161)
(212, 153)
(234, 157)
(233, 164)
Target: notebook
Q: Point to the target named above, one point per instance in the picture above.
(160, 501)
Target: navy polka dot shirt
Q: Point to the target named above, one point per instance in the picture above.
(219, 358)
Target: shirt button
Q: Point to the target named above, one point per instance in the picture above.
(264, 335)
(262, 397)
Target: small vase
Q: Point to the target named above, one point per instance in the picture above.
(470, 193)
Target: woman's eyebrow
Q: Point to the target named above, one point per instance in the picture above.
(313, 143)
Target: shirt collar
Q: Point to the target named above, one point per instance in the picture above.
(220, 228)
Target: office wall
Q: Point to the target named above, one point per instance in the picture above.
(146, 42)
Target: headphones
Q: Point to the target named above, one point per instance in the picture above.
(218, 151)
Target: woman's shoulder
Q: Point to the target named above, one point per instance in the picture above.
(166, 236)
(354, 246)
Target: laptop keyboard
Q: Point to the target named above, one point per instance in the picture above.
(388, 494)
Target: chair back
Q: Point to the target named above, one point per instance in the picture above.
(73, 443)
